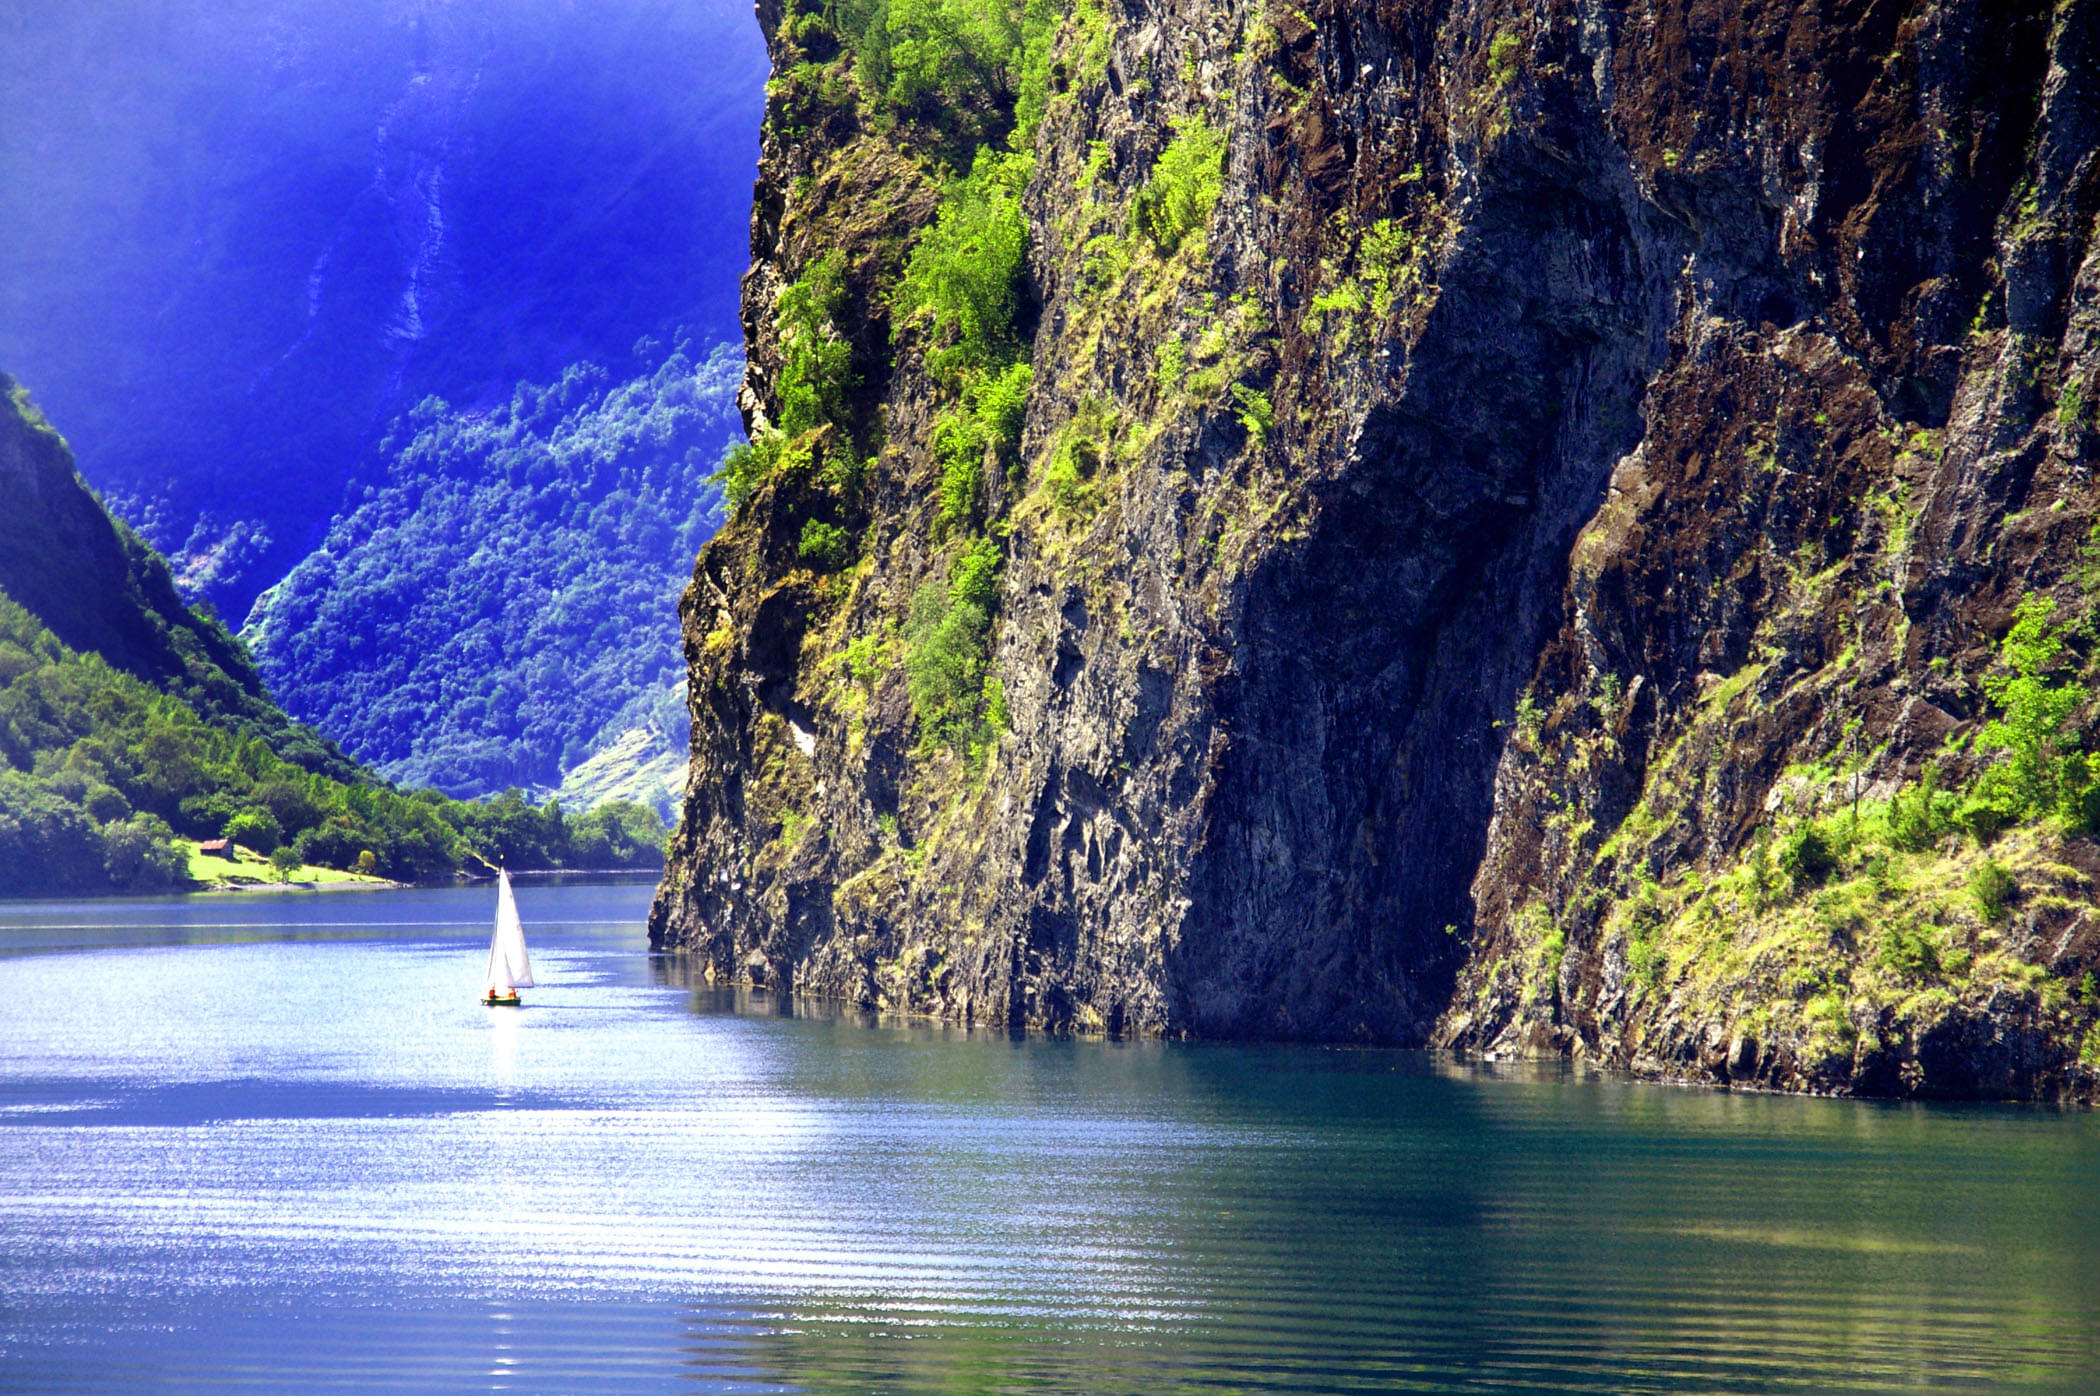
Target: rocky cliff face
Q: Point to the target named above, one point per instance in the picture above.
(1512, 541)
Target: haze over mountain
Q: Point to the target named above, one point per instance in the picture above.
(246, 239)
(261, 230)
(503, 608)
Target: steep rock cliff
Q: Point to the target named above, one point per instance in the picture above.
(1498, 488)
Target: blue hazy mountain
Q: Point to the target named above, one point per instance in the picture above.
(393, 322)
(240, 239)
(503, 606)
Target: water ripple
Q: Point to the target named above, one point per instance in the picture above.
(308, 1161)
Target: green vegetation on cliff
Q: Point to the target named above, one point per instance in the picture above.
(1358, 530)
(962, 296)
(2046, 771)
(1852, 930)
(965, 85)
(1185, 184)
(1914, 883)
(963, 287)
(954, 697)
(966, 73)
(816, 373)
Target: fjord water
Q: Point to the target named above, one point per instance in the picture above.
(273, 1143)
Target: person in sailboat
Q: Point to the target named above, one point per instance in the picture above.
(510, 967)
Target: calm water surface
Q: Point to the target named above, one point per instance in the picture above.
(272, 1143)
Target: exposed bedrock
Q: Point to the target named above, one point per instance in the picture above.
(1574, 450)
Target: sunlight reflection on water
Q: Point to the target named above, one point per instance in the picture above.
(281, 1145)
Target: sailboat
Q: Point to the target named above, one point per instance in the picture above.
(510, 968)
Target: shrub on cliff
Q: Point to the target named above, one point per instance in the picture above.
(1805, 855)
(824, 547)
(937, 54)
(1001, 403)
(1919, 814)
(962, 288)
(948, 633)
(2044, 772)
(1185, 184)
(1992, 887)
(969, 71)
(813, 390)
(963, 294)
(747, 465)
(958, 444)
(816, 363)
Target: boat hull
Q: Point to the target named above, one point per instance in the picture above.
(509, 1001)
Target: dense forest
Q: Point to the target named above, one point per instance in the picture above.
(151, 725)
(505, 604)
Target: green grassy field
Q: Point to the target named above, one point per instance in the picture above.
(251, 869)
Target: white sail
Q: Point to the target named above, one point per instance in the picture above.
(498, 978)
(509, 966)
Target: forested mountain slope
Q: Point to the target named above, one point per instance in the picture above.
(1545, 528)
(128, 721)
(504, 605)
(100, 590)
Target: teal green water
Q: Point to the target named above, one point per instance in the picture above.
(272, 1143)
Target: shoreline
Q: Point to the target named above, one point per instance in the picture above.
(338, 883)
